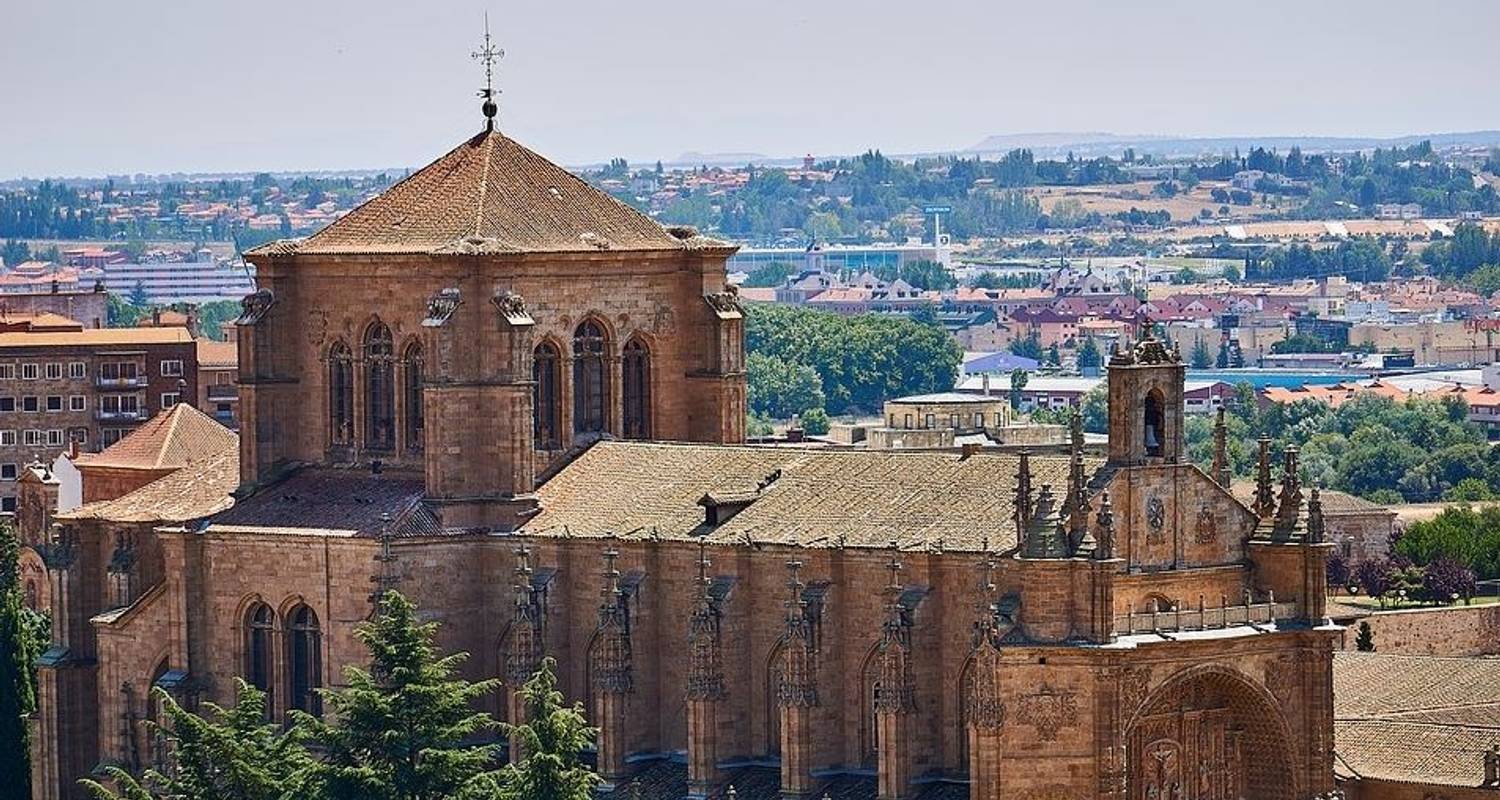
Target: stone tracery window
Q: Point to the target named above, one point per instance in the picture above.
(546, 374)
(340, 394)
(380, 388)
(412, 389)
(636, 390)
(260, 621)
(304, 661)
(590, 378)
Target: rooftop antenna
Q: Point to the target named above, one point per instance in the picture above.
(488, 54)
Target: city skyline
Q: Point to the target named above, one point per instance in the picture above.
(165, 95)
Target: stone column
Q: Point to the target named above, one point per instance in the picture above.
(895, 701)
(524, 647)
(797, 694)
(705, 689)
(984, 710)
(612, 667)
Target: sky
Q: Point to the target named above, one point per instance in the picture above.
(96, 87)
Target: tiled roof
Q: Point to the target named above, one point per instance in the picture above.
(341, 502)
(1411, 752)
(491, 195)
(192, 492)
(170, 440)
(811, 497)
(221, 355)
(97, 337)
(1419, 719)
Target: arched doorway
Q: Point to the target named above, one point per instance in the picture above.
(1210, 734)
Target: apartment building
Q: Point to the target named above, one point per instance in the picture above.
(85, 387)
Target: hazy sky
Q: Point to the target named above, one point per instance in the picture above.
(89, 87)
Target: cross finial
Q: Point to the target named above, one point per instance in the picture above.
(894, 565)
(488, 55)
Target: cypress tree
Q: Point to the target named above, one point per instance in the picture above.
(401, 730)
(18, 651)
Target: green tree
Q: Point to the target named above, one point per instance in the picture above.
(1018, 380)
(398, 731)
(1089, 356)
(1201, 357)
(121, 313)
(1231, 273)
(1095, 409)
(770, 275)
(18, 651)
(779, 389)
(927, 275)
(232, 754)
(15, 252)
(1365, 640)
(553, 739)
(815, 422)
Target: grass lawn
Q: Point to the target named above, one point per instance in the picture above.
(1361, 601)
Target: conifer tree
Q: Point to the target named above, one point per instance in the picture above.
(400, 729)
(553, 739)
(232, 754)
(17, 689)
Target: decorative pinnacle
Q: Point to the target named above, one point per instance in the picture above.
(894, 566)
(794, 583)
(611, 574)
(703, 564)
(488, 54)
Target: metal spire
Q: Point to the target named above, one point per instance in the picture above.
(488, 55)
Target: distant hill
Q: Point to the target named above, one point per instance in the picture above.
(1053, 144)
(720, 159)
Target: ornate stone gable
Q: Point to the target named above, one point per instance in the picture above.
(705, 648)
(611, 654)
(798, 685)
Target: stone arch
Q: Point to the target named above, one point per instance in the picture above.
(636, 378)
(964, 696)
(593, 353)
(773, 707)
(340, 360)
(377, 353)
(1154, 422)
(547, 359)
(1210, 731)
(303, 640)
(869, 687)
(36, 587)
(1156, 601)
(412, 380)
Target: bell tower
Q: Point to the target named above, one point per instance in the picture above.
(1145, 403)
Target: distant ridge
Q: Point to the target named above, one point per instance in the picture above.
(1051, 144)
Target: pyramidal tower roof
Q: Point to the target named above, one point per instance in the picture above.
(490, 195)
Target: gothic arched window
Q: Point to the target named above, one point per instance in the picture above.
(590, 378)
(340, 394)
(635, 388)
(380, 388)
(260, 621)
(546, 373)
(1154, 420)
(304, 661)
(412, 389)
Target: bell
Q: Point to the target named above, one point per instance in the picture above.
(1151, 440)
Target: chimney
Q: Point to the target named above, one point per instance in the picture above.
(73, 450)
(970, 449)
(985, 381)
(156, 317)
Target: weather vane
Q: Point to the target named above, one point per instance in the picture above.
(489, 54)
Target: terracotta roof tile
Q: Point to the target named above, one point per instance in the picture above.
(1419, 719)
(97, 337)
(335, 501)
(491, 195)
(812, 498)
(171, 440)
(193, 492)
(212, 354)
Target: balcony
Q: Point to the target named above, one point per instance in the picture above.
(226, 391)
(1205, 618)
(139, 415)
(122, 384)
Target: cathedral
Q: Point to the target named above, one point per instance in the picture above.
(521, 403)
